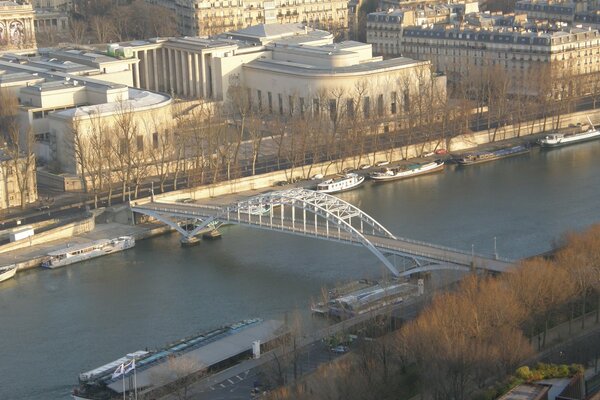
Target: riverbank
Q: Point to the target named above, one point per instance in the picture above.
(526, 132)
(32, 256)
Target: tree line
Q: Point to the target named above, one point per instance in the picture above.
(467, 342)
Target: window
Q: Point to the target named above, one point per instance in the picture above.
(393, 108)
(270, 101)
(155, 140)
(123, 146)
(249, 98)
(332, 109)
(406, 101)
(140, 142)
(259, 95)
(316, 106)
(291, 105)
(367, 107)
(280, 98)
(38, 114)
(350, 108)
(302, 106)
(380, 105)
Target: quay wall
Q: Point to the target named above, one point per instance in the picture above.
(458, 143)
(65, 231)
(5, 234)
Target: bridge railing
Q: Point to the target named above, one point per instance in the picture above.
(227, 215)
(454, 250)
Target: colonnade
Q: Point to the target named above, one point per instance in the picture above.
(171, 70)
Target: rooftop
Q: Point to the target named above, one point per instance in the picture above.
(526, 391)
(138, 99)
(311, 70)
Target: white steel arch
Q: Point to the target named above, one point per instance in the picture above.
(340, 213)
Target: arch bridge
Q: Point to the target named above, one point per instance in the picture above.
(313, 214)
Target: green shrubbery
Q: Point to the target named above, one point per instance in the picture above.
(525, 374)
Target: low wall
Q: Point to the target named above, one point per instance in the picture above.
(5, 234)
(458, 143)
(66, 231)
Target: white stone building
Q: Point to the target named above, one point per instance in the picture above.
(291, 65)
(66, 90)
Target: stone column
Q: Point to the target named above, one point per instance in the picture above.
(164, 55)
(177, 55)
(190, 75)
(136, 73)
(155, 67)
(171, 70)
(197, 76)
(183, 73)
(146, 65)
(203, 78)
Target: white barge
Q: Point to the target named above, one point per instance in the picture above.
(563, 139)
(407, 171)
(341, 184)
(73, 254)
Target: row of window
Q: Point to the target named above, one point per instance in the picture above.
(331, 105)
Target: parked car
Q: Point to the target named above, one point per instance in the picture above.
(186, 200)
(365, 166)
(441, 151)
(347, 169)
(317, 176)
(42, 208)
(381, 163)
(339, 349)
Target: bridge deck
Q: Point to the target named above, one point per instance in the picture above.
(273, 222)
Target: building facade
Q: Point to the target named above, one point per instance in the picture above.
(13, 169)
(16, 26)
(283, 69)
(67, 93)
(209, 17)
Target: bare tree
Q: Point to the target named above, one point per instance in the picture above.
(178, 373)
(19, 147)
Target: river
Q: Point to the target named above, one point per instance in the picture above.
(55, 324)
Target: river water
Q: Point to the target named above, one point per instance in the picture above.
(55, 324)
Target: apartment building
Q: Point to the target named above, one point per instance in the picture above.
(210, 17)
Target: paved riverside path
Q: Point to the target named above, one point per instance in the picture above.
(447, 257)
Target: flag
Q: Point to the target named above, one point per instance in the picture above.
(130, 366)
(118, 372)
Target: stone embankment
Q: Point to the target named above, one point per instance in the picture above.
(524, 132)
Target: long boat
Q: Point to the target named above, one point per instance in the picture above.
(485, 156)
(341, 184)
(7, 272)
(563, 139)
(73, 254)
(364, 299)
(407, 171)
